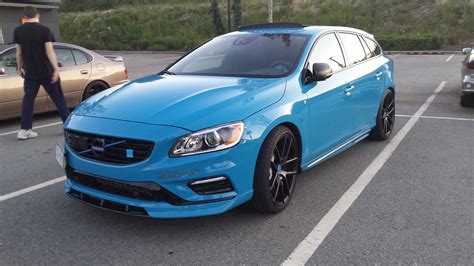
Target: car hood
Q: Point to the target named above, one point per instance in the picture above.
(189, 102)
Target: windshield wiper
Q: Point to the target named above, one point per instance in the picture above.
(166, 72)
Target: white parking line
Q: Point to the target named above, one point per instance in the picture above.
(395, 55)
(449, 58)
(32, 188)
(310, 244)
(441, 117)
(16, 131)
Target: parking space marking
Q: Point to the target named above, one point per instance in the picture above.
(395, 55)
(16, 131)
(32, 188)
(449, 58)
(306, 248)
(441, 117)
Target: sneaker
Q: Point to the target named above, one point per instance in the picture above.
(26, 134)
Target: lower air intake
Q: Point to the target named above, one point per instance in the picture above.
(215, 185)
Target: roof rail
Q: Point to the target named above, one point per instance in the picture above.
(272, 25)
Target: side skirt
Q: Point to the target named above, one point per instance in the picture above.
(344, 146)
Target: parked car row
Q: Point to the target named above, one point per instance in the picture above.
(83, 74)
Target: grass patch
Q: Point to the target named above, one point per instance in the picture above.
(181, 25)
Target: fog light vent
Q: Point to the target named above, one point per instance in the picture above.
(214, 185)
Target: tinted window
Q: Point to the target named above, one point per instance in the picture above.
(374, 48)
(64, 57)
(327, 50)
(80, 57)
(354, 49)
(8, 61)
(245, 54)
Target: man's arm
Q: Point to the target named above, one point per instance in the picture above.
(19, 60)
(52, 58)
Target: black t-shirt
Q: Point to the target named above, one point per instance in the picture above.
(31, 37)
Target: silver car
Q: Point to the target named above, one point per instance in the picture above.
(467, 98)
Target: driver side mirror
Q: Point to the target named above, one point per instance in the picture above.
(467, 50)
(2, 71)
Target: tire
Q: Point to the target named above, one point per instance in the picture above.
(467, 100)
(275, 172)
(385, 117)
(94, 88)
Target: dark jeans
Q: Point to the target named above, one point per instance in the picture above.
(54, 91)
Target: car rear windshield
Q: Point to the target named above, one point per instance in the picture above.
(244, 55)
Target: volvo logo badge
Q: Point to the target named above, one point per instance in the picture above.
(98, 147)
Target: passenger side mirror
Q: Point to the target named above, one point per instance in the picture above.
(321, 71)
(467, 50)
(2, 71)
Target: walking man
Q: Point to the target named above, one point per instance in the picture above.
(37, 64)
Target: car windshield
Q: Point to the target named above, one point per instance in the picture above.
(244, 55)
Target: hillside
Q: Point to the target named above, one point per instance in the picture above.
(181, 25)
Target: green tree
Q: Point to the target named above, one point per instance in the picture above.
(216, 18)
(237, 9)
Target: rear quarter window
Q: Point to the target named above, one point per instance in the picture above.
(374, 48)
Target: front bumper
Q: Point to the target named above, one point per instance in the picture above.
(172, 175)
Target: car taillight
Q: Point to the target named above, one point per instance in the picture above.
(470, 64)
(126, 71)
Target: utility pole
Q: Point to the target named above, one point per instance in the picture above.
(228, 15)
(270, 11)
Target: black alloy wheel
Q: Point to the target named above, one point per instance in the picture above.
(277, 168)
(385, 117)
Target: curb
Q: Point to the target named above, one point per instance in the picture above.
(423, 52)
(137, 52)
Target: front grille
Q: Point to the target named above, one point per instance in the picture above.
(211, 186)
(108, 149)
(148, 191)
(107, 204)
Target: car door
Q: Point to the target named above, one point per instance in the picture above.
(367, 72)
(330, 101)
(11, 88)
(74, 75)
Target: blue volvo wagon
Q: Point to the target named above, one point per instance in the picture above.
(234, 120)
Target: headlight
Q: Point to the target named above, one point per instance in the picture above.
(208, 140)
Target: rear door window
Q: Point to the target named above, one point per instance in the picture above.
(353, 46)
(80, 57)
(64, 57)
(328, 50)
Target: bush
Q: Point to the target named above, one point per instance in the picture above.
(410, 42)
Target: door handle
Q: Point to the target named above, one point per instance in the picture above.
(378, 76)
(348, 91)
(84, 72)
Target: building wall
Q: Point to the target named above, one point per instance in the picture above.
(10, 19)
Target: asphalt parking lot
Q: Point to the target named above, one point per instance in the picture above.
(417, 208)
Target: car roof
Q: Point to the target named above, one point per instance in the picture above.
(295, 28)
(4, 47)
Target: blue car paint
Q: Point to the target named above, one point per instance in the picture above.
(162, 108)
